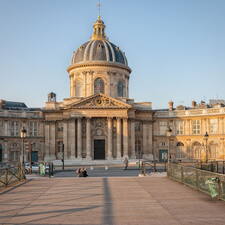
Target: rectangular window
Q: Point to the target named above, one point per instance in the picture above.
(137, 126)
(14, 156)
(162, 127)
(1, 128)
(213, 126)
(14, 128)
(179, 127)
(33, 129)
(196, 127)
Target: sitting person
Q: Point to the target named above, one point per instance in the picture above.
(84, 172)
(81, 172)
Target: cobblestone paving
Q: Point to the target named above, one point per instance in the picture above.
(108, 201)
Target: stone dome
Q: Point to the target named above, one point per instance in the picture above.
(99, 50)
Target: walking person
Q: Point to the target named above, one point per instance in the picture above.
(125, 161)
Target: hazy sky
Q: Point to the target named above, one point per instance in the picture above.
(175, 48)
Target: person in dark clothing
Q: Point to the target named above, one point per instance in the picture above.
(81, 172)
(84, 172)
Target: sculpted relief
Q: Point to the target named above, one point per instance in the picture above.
(100, 101)
(99, 126)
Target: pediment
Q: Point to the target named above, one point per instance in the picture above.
(98, 101)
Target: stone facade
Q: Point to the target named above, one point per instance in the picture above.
(189, 125)
(12, 119)
(100, 122)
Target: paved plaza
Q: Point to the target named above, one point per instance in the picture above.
(108, 200)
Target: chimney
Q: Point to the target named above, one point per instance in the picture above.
(52, 97)
(170, 105)
(193, 104)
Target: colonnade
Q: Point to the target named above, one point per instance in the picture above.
(119, 138)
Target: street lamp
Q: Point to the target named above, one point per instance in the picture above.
(63, 159)
(168, 134)
(206, 137)
(31, 150)
(23, 134)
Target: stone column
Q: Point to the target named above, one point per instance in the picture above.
(145, 145)
(109, 138)
(41, 150)
(220, 125)
(223, 125)
(79, 138)
(65, 138)
(5, 152)
(125, 138)
(118, 139)
(6, 128)
(52, 141)
(207, 125)
(72, 140)
(47, 144)
(150, 139)
(88, 139)
(133, 156)
(71, 86)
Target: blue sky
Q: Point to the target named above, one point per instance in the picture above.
(175, 48)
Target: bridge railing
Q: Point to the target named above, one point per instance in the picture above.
(11, 175)
(197, 178)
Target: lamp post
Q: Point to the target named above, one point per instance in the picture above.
(206, 137)
(168, 134)
(23, 134)
(63, 156)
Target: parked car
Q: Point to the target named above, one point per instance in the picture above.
(35, 167)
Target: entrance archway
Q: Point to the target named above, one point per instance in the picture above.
(99, 149)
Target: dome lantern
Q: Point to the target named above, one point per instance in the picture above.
(99, 30)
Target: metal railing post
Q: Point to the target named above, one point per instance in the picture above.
(6, 176)
(223, 167)
(182, 174)
(220, 196)
(197, 179)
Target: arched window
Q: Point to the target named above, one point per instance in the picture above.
(1, 157)
(78, 88)
(196, 150)
(99, 86)
(180, 150)
(120, 89)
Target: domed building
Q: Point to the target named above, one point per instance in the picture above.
(98, 121)
(99, 66)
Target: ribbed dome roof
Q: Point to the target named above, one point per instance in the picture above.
(99, 50)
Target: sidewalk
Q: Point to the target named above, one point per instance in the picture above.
(108, 201)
